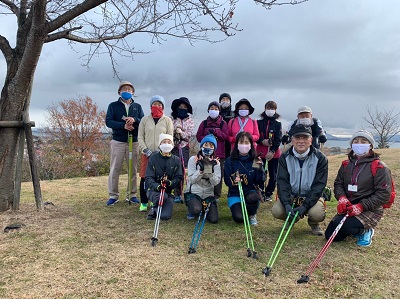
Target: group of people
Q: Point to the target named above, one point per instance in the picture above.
(240, 151)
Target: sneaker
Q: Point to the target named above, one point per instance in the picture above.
(112, 201)
(217, 200)
(366, 239)
(190, 216)
(151, 215)
(316, 230)
(143, 207)
(268, 198)
(253, 220)
(177, 199)
(133, 200)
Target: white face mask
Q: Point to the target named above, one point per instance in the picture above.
(269, 113)
(213, 113)
(166, 147)
(243, 112)
(305, 121)
(244, 148)
(360, 149)
(225, 104)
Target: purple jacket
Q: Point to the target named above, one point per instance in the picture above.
(219, 128)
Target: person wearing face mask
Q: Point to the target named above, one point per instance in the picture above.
(163, 171)
(304, 117)
(227, 114)
(270, 129)
(204, 173)
(183, 131)
(302, 177)
(360, 193)
(243, 165)
(123, 117)
(243, 122)
(215, 125)
(150, 129)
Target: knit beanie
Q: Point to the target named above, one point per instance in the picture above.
(165, 136)
(362, 133)
(225, 95)
(214, 103)
(209, 138)
(157, 98)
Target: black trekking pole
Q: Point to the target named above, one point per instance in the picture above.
(306, 276)
(198, 230)
(154, 239)
(278, 246)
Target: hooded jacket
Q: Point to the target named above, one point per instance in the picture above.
(219, 129)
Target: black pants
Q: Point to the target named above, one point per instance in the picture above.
(272, 174)
(218, 188)
(195, 207)
(143, 195)
(185, 153)
(167, 207)
(236, 210)
(351, 227)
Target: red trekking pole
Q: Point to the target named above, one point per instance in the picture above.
(154, 239)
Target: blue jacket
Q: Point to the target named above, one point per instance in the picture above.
(116, 110)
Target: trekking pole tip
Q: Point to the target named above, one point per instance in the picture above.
(255, 256)
(154, 241)
(248, 252)
(303, 279)
(266, 271)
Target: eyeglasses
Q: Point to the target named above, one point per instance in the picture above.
(302, 137)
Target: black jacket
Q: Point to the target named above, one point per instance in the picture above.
(274, 127)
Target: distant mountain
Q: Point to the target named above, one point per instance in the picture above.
(331, 137)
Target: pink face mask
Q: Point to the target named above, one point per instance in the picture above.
(244, 148)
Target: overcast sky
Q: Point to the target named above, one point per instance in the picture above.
(335, 56)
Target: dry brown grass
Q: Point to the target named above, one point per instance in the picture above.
(82, 249)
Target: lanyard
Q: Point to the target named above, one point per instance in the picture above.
(354, 178)
(241, 124)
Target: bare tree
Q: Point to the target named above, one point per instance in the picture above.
(105, 26)
(385, 123)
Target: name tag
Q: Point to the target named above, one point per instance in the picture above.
(352, 188)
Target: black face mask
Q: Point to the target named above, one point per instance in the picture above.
(182, 113)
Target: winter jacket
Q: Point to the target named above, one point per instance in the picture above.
(250, 127)
(149, 131)
(187, 127)
(116, 110)
(372, 191)
(219, 128)
(202, 184)
(317, 131)
(266, 127)
(308, 180)
(250, 176)
(227, 114)
(160, 165)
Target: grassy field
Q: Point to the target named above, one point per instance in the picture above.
(80, 248)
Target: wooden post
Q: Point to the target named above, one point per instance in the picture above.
(18, 172)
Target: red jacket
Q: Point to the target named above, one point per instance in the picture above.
(250, 127)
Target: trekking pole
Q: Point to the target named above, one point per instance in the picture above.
(195, 242)
(247, 228)
(130, 168)
(183, 169)
(154, 239)
(279, 245)
(306, 276)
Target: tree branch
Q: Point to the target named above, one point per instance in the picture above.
(11, 6)
(5, 48)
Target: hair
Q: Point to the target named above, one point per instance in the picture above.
(274, 106)
(235, 154)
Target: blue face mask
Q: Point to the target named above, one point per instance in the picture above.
(207, 151)
(126, 95)
(182, 113)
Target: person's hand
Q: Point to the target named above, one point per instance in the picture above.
(302, 210)
(167, 182)
(129, 120)
(269, 156)
(322, 139)
(355, 210)
(214, 162)
(178, 130)
(285, 139)
(200, 165)
(289, 210)
(160, 187)
(266, 142)
(343, 203)
(128, 127)
(147, 152)
(211, 131)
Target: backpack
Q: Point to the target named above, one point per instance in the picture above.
(374, 168)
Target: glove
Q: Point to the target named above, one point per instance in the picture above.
(269, 156)
(167, 182)
(289, 210)
(213, 163)
(355, 210)
(211, 131)
(160, 187)
(147, 152)
(233, 178)
(200, 164)
(302, 210)
(285, 139)
(343, 203)
(322, 139)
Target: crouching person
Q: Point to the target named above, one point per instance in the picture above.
(302, 177)
(243, 166)
(164, 171)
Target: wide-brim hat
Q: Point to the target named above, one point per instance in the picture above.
(244, 101)
(175, 104)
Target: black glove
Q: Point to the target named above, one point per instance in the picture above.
(213, 163)
(322, 139)
(211, 131)
(200, 165)
(167, 182)
(289, 210)
(285, 139)
(160, 187)
(302, 210)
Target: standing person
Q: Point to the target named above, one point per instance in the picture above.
(305, 117)
(183, 131)
(215, 124)
(204, 173)
(243, 122)
(163, 170)
(302, 177)
(243, 166)
(227, 114)
(270, 129)
(150, 129)
(360, 193)
(123, 117)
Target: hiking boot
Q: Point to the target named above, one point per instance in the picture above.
(177, 199)
(112, 201)
(133, 200)
(143, 207)
(253, 220)
(316, 230)
(365, 239)
(190, 216)
(151, 215)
